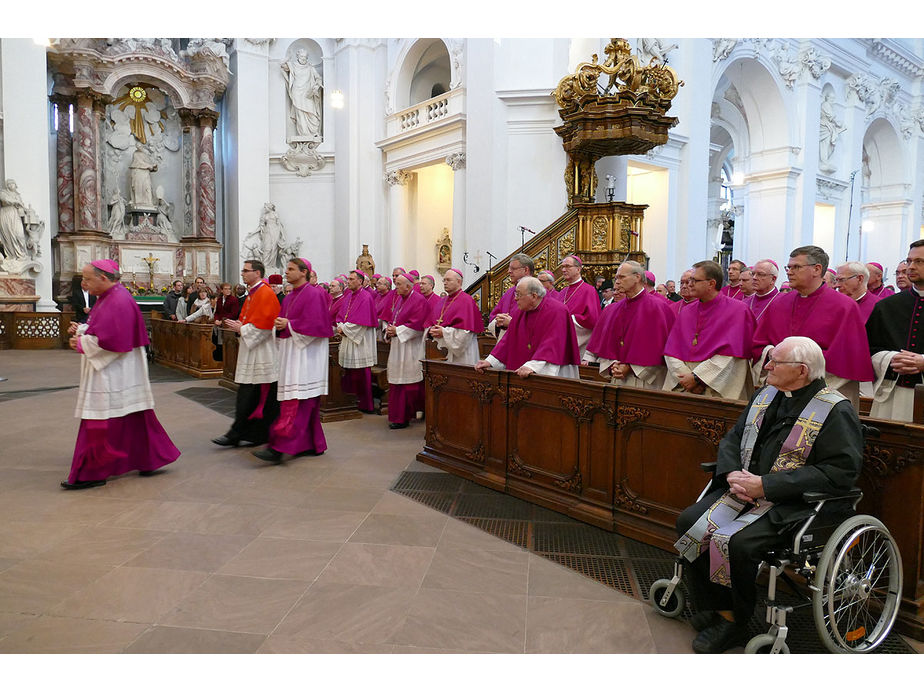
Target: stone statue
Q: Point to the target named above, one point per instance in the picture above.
(116, 225)
(722, 48)
(34, 228)
(164, 212)
(364, 262)
(12, 232)
(831, 129)
(653, 48)
(140, 170)
(303, 84)
(268, 242)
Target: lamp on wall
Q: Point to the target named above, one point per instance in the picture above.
(336, 99)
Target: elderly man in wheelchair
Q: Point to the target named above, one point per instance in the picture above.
(791, 459)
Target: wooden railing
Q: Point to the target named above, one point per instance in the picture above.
(602, 234)
(185, 346)
(30, 330)
(627, 460)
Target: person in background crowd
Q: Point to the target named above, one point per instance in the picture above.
(764, 277)
(831, 278)
(548, 283)
(580, 299)
(202, 307)
(172, 301)
(732, 288)
(356, 322)
(851, 281)
(275, 283)
(455, 321)
(672, 291)
(521, 265)
(405, 334)
(336, 299)
(82, 300)
(607, 294)
(747, 283)
(901, 276)
(875, 285)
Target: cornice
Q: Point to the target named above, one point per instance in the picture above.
(895, 56)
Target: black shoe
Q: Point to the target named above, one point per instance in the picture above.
(397, 425)
(225, 441)
(310, 453)
(703, 619)
(368, 411)
(82, 484)
(269, 455)
(720, 638)
(147, 472)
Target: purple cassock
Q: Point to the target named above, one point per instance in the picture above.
(136, 441)
(829, 318)
(358, 308)
(723, 326)
(758, 304)
(433, 299)
(734, 292)
(334, 305)
(388, 305)
(506, 304)
(633, 330)
(865, 304)
(405, 400)
(380, 301)
(583, 302)
(298, 427)
(677, 306)
(457, 310)
(883, 292)
(545, 333)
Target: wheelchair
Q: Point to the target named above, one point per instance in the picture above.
(853, 573)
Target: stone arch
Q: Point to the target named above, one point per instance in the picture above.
(160, 77)
(884, 156)
(427, 61)
(762, 104)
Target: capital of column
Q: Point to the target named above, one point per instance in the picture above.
(398, 177)
(456, 161)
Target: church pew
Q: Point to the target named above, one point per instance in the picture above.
(185, 346)
(627, 460)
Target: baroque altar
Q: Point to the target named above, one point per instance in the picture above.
(136, 121)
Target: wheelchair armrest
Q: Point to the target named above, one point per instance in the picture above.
(709, 466)
(817, 497)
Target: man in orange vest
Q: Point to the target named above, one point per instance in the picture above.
(257, 366)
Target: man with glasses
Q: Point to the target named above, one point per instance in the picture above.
(521, 265)
(850, 280)
(830, 319)
(686, 296)
(896, 341)
(765, 458)
(580, 299)
(901, 276)
(708, 347)
(764, 277)
(257, 361)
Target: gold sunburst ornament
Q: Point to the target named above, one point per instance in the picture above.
(138, 97)
(138, 94)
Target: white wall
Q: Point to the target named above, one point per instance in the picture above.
(432, 212)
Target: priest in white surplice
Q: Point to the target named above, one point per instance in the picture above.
(118, 429)
(707, 351)
(405, 334)
(356, 323)
(303, 331)
(257, 361)
(456, 321)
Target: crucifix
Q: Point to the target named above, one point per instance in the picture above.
(151, 261)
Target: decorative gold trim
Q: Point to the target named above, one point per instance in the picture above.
(513, 395)
(624, 414)
(573, 483)
(623, 498)
(712, 430)
(514, 466)
(483, 391)
(579, 407)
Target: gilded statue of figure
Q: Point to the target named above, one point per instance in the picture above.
(140, 169)
(12, 232)
(303, 84)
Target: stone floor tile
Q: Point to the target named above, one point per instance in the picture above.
(670, 635)
(245, 520)
(170, 640)
(10, 623)
(161, 515)
(461, 535)
(187, 551)
(393, 503)
(337, 498)
(19, 540)
(550, 579)
(35, 586)
(317, 525)
(451, 620)
(294, 559)
(405, 530)
(55, 635)
(239, 604)
(377, 564)
(104, 545)
(584, 626)
(477, 570)
(284, 644)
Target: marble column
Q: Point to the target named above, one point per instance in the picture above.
(188, 122)
(86, 164)
(205, 178)
(397, 217)
(459, 237)
(64, 151)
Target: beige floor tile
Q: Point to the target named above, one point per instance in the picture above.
(104, 545)
(186, 551)
(282, 558)
(359, 479)
(141, 595)
(169, 640)
(317, 525)
(670, 635)
(461, 535)
(584, 626)
(395, 504)
(35, 586)
(477, 570)
(376, 564)
(550, 579)
(367, 614)
(349, 499)
(162, 515)
(57, 505)
(405, 530)
(19, 540)
(451, 620)
(245, 520)
(52, 635)
(239, 604)
(284, 644)
(10, 623)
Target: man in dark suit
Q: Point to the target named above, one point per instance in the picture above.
(81, 300)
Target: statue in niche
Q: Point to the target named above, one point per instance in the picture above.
(831, 129)
(164, 212)
(116, 225)
(303, 84)
(268, 242)
(12, 231)
(140, 170)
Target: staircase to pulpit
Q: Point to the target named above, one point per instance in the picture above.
(615, 108)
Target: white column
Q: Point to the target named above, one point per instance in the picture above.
(458, 232)
(25, 143)
(395, 250)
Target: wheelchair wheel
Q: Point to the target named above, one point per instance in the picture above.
(859, 581)
(761, 644)
(674, 605)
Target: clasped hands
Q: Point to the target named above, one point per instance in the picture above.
(690, 384)
(522, 371)
(907, 362)
(745, 486)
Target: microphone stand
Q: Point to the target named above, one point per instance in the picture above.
(523, 231)
(490, 257)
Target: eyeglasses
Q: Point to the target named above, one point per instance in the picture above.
(780, 363)
(918, 261)
(793, 268)
(694, 280)
(761, 275)
(247, 269)
(841, 280)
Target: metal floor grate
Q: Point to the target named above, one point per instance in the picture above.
(218, 399)
(620, 562)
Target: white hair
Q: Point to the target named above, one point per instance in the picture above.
(858, 268)
(771, 267)
(531, 285)
(805, 350)
(635, 267)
